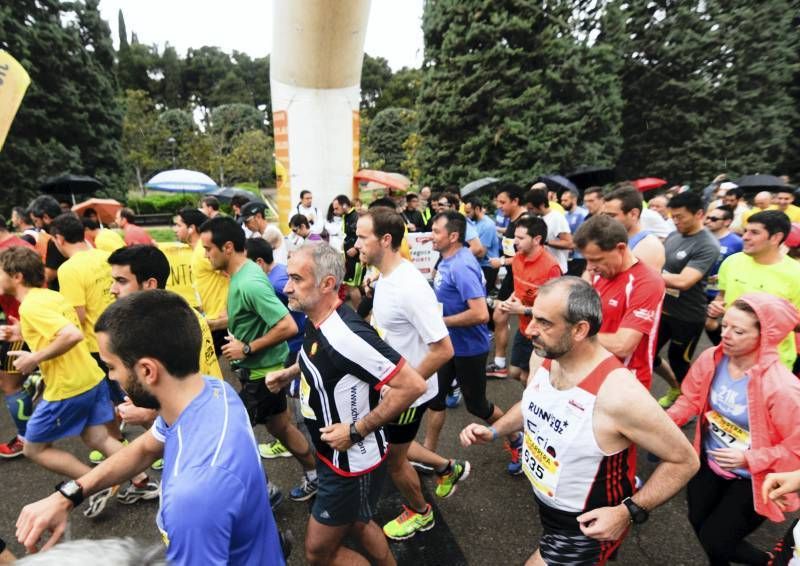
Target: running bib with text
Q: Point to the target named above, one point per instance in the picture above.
(729, 433)
(541, 469)
(305, 393)
(508, 247)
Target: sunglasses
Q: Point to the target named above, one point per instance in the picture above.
(715, 218)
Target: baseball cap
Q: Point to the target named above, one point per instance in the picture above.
(251, 208)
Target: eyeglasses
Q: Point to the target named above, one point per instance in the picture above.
(714, 218)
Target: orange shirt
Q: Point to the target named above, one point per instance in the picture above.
(529, 274)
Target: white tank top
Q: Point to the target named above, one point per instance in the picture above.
(560, 455)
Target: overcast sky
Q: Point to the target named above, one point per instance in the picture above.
(394, 30)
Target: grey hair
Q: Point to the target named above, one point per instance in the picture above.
(582, 301)
(326, 261)
(120, 552)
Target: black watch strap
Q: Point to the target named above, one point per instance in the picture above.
(72, 490)
(355, 436)
(638, 514)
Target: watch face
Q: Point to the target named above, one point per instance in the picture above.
(71, 488)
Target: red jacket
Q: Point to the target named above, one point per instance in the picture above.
(773, 400)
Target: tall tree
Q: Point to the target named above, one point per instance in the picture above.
(122, 30)
(510, 89)
(68, 120)
(144, 137)
(388, 132)
(375, 75)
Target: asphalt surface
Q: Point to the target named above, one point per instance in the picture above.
(492, 518)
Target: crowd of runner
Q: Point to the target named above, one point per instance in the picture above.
(341, 347)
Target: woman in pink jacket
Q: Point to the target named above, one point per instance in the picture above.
(748, 425)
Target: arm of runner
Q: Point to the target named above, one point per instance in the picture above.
(475, 433)
(621, 343)
(776, 486)
(439, 352)
(636, 416)
(81, 312)
(691, 400)
(277, 380)
(219, 323)
(476, 248)
(651, 252)
(50, 514)
(716, 308)
(64, 341)
(476, 313)
(562, 242)
(783, 415)
(282, 331)
(684, 280)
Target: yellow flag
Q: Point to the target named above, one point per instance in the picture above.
(14, 82)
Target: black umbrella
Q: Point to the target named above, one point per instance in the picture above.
(751, 183)
(474, 186)
(70, 185)
(587, 176)
(226, 194)
(557, 183)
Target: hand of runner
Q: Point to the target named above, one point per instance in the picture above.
(495, 262)
(131, 414)
(276, 380)
(715, 309)
(475, 433)
(729, 458)
(777, 486)
(11, 332)
(512, 305)
(26, 362)
(233, 350)
(337, 436)
(46, 515)
(605, 523)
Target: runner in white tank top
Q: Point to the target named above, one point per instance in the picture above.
(581, 413)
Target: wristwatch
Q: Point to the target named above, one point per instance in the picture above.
(246, 349)
(638, 514)
(528, 311)
(355, 436)
(72, 490)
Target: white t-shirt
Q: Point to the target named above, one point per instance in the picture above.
(408, 317)
(654, 223)
(317, 222)
(335, 233)
(557, 224)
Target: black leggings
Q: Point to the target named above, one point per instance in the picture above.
(470, 371)
(683, 338)
(722, 515)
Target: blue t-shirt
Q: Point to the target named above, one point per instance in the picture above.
(575, 218)
(500, 219)
(278, 276)
(214, 505)
(728, 400)
(458, 279)
(728, 245)
(488, 237)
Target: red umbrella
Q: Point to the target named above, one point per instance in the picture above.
(648, 184)
(106, 208)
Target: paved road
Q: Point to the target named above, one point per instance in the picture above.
(491, 519)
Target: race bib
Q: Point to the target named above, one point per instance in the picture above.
(732, 435)
(541, 469)
(508, 247)
(672, 292)
(305, 394)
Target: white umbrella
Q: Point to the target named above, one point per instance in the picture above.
(181, 181)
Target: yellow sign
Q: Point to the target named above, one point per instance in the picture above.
(14, 82)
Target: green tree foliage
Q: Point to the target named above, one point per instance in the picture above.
(250, 159)
(388, 132)
(68, 120)
(511, 89)
(375, 75)
(230, 120)
(144, 138)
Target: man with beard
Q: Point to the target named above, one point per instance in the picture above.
(214, 500)
(580, 413)
(575, 215)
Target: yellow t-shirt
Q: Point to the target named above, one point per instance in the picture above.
(43, 313)
(793, 212)
(181, 280)
(740, 274)
(556, 206)
(108, 240)
(209, 365)
(85, 281)
(753, 211)
(211, 285)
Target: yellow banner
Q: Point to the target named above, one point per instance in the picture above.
(14, 82)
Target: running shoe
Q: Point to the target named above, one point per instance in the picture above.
(133, 493)
(305, 491)
(454, 399)
(497, 372)
(514, 448)
(12, 448)
(447, 483)
(95, 456)
(409, 523)
(672, 395)
(275, 497)
(158, 465)
(97, 502)
(423, 469)
(274, 450)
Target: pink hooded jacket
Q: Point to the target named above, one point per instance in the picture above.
(773, 400)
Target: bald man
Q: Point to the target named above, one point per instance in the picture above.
(762, 201)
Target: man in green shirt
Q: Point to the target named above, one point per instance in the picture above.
(258, 327)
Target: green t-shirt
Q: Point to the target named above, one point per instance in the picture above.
(253, 308)
(740, 274)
